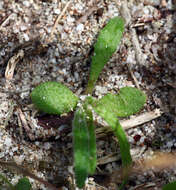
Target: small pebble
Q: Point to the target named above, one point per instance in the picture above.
(80, 27)
(26, 3)
(57, 11)
(8, 142)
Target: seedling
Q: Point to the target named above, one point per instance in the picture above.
(55, 98)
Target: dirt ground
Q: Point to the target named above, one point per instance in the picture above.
(52, 40)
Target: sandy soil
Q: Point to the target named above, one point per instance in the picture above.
(52, 40)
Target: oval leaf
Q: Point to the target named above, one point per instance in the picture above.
(129, 101)
(80, 146)
(92, 138)
(84, 145)
(170, 186)
(107, 42)
(23, 184)
(53, 98)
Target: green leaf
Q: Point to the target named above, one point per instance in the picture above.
(107, 42)
(84, 145)
(80, 146)
(92, 140)
(92, 149)
(53, 98)
(129, 101)
(124, 145)
(23, 184)
(113, 122)
(170, 186)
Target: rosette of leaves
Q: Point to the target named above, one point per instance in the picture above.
(129, 101)
(55, 98)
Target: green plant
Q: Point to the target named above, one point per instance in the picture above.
(23, 183)
(55, 98)
(170, 186)
(107, 42)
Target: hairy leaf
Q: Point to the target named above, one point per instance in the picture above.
(53, 98)
(92, 148)
(107, 42)
(80, 146)
(92, 140)
(113, 122)
(23, 184)
(84, 145)
(129, 101)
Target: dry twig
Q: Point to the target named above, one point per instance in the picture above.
(133, 76)
(126, 124)
(86, 15)
(109, 158)
(56, 22)
(127, 16)
(10, 112)
(25, 124)
(12, 64)
(21, 169)
(2, 26)
(156, 162)
(130, 123)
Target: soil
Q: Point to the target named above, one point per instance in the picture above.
(52, 40)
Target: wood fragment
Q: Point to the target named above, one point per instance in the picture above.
(138, 52)
(163, 3)
(130, 123)
(9, 114)
(12, 64)
(125, 12)
(141, 119)
(133, 76)
(2, 26)
(20, 169)
(156, 162)
(86, 15)
(20, 126)
(137, 25)
(109, 158)
(25, 124)
(57, 21)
